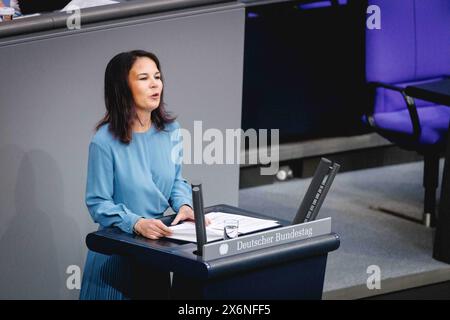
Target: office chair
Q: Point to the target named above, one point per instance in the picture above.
(411, 47)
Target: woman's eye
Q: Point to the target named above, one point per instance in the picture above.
(143, 79)
(157, 77)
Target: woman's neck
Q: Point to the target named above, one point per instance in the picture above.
(143, 121)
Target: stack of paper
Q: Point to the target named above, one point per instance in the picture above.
(186, 230)
(81, 4)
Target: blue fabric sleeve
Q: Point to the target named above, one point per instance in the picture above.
(100, 189)
(181, 193)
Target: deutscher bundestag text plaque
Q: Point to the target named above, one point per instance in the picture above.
(266, 239)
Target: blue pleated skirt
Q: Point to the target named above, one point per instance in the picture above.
(106, 278)
(121, 278)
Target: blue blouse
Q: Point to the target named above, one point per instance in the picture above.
(141, 179)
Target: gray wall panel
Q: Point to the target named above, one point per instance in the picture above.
(51, 95)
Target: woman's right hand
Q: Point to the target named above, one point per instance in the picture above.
(152, 228)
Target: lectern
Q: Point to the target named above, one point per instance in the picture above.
(294, 270)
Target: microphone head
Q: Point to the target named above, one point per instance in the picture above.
(196, 183)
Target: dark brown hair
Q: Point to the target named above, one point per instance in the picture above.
(120, 108)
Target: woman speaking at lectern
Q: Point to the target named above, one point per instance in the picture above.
(132, 178)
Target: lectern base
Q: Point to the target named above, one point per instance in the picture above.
(301, 279)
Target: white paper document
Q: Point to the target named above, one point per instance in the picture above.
(81, 4)
(186, 230)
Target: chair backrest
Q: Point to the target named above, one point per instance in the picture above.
(432, 38)
(413, 45)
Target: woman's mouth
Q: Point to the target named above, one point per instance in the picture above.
(155, 96)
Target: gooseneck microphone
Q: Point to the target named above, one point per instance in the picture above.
(200, 230)
(317, 191)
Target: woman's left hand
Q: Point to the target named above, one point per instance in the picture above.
(186, 213)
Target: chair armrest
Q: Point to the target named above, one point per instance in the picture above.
(375, 85)
(410, 104)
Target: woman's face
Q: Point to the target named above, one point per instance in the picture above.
(145, 84)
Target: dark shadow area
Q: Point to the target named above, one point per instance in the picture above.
(39, 236)
(304, 70)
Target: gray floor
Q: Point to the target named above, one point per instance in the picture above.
(400, 248)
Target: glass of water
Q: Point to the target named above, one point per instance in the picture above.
(230, 229)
